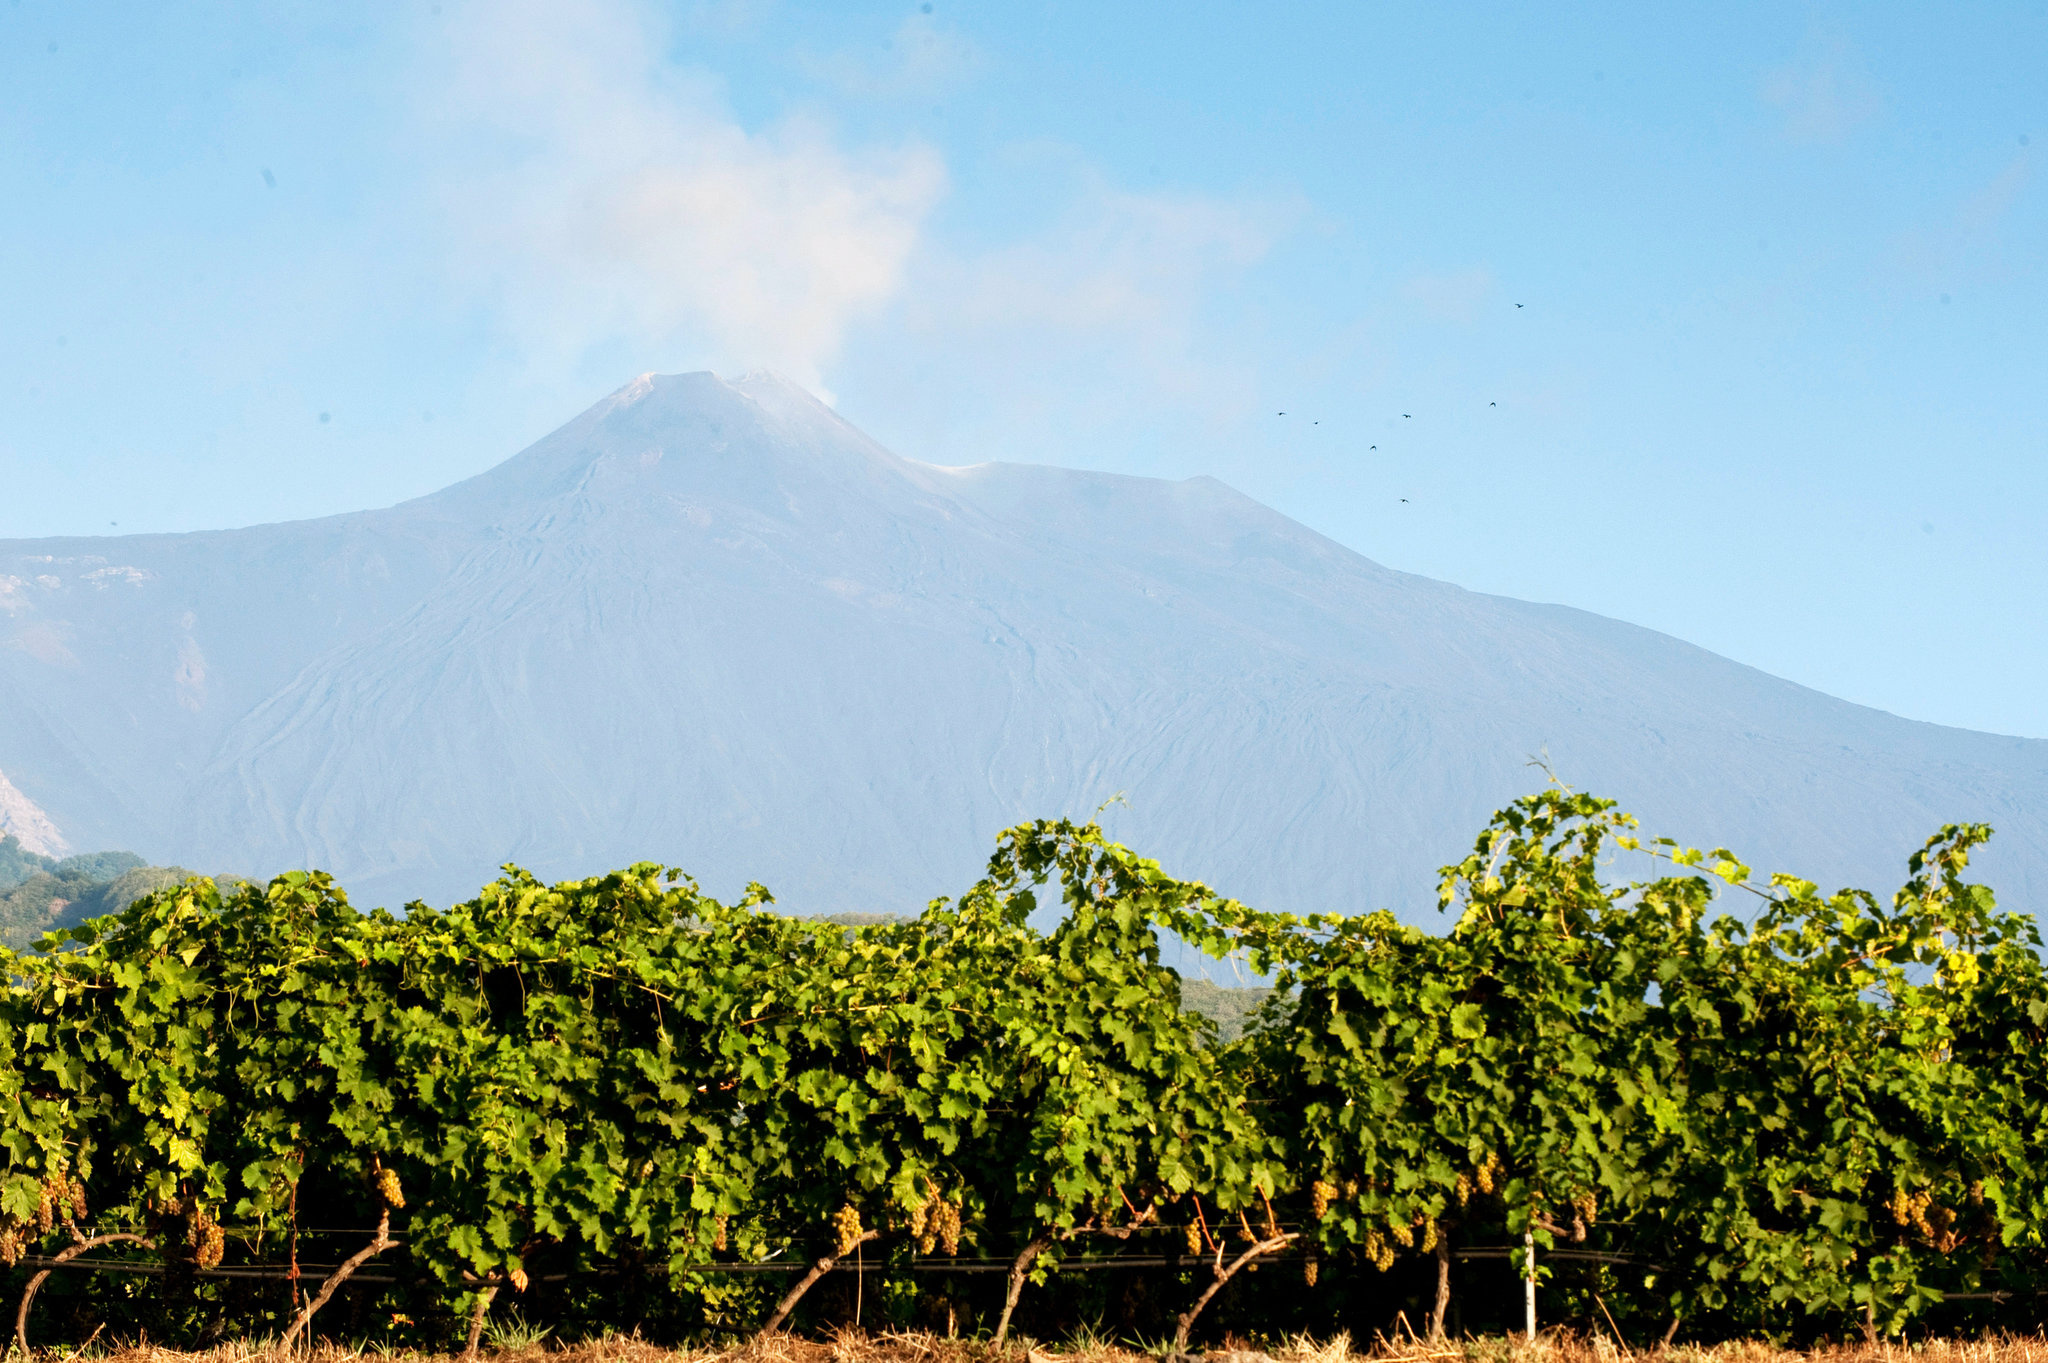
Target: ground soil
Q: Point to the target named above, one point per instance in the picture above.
(923, 1348)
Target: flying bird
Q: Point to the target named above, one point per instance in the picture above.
(1406, 415)
(1493, 404)
(1518, 305)
(1404, 499)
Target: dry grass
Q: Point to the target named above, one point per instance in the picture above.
(925, 1348)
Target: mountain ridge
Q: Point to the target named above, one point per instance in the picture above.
(711, 622)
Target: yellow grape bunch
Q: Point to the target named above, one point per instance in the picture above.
(846, 1226)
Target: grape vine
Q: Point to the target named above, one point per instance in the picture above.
(1753, 1103)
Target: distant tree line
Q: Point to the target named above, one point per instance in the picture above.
(40, 894)
(619, 1102)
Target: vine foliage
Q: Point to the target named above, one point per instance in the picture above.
(1771, 1108)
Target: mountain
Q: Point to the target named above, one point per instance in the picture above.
(22, 823)
(710, 623)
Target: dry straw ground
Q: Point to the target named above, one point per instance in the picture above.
(922, 1348)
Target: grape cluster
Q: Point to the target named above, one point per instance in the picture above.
(204, 1236)
(1920, 1212)
(935, 1222)
(846, 1226)
(60, 1198)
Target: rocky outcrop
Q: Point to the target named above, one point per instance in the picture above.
(25, 819)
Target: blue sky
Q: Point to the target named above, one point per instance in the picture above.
(1778, 383)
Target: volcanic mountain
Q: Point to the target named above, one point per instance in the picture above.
(711, 624)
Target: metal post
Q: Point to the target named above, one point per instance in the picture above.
(1529, 1283)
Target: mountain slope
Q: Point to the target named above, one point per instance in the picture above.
(710, 623)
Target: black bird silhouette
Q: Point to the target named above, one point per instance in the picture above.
(1518, 305)
(1493, 404)
(1279, 414)
(1375, 447)
(1404, 499)
(1406, 415)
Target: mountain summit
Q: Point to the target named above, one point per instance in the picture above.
(710, 623)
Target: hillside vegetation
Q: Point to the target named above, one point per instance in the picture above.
(40, 894)
(619, 1103)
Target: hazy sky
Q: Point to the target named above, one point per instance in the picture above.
(1732, 321)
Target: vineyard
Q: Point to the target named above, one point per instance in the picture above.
(1697, 1104)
